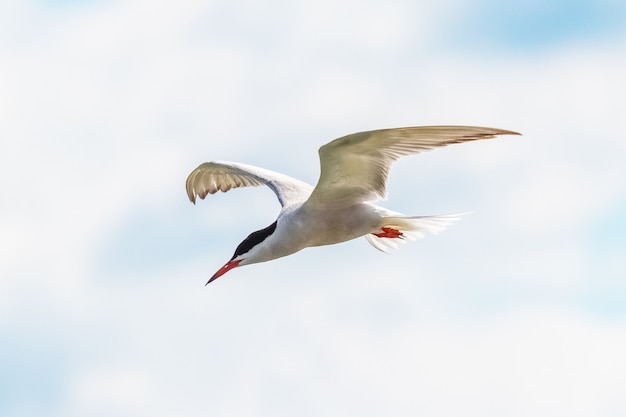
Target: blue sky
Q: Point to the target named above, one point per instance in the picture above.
(106, 106)
(535, 25)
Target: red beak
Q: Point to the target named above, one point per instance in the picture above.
(227, 267)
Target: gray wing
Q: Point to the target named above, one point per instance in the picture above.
(354, 168)
(211, 177)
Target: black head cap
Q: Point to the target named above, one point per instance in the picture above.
(254, 239)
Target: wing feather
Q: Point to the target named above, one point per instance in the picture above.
(211, 177)
(354, 168)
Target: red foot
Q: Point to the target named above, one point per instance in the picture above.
(389, 232)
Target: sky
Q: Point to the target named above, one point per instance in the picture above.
(106, 106)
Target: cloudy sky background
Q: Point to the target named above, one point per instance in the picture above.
(106, 106)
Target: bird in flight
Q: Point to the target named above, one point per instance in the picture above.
(340, 207)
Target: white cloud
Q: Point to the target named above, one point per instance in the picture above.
(111, 390)
(106, 109)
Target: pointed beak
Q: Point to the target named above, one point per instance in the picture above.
(227, 267)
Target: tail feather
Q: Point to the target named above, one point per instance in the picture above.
(412, 228)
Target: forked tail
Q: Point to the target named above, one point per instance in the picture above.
(397, 229)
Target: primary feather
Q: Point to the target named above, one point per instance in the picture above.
(211, 177)
(354, 168)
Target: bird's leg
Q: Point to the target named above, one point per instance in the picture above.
(390, 233)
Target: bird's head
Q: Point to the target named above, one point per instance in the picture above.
(249, 251)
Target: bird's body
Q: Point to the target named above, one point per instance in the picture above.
(339, 208)
(307, 226)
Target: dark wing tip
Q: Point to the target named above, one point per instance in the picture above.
(507, 132)
(489, 132)
(486, 133)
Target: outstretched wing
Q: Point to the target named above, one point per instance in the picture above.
(354, 168)
(211, 177)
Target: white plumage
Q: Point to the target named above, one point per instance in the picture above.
(353, 174)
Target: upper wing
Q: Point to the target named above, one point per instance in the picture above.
(354, 168)
(210, 177)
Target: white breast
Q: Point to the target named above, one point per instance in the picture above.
(307, 226)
